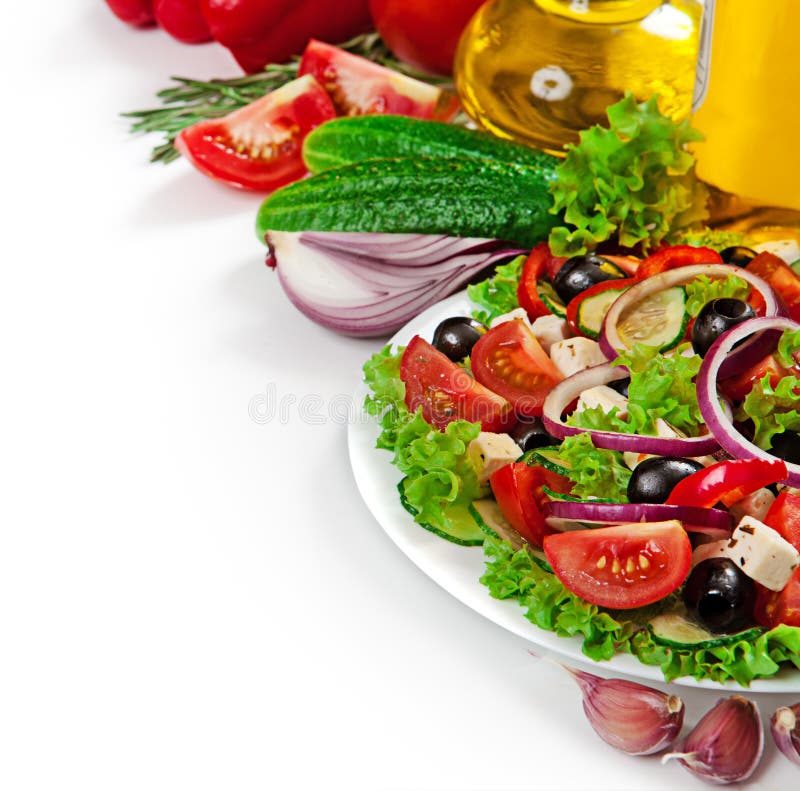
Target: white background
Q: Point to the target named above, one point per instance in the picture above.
(190, 599)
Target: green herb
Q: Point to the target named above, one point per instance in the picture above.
(773, 410)
(715, 238)
(437, 469)
(703, 289)
(192, 101)
(594, 472)
(498, 294)
(635, 179)
(549, 605)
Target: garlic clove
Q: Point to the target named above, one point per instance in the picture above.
(726, 745)
(631, 717)
(785, 727)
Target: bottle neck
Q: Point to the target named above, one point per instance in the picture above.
(600, 12)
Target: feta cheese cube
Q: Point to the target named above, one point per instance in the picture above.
(787, 249)
(489, 452)
(762, 553)
(513, 315)
(550, 329)
(604, 397)
(576, 354)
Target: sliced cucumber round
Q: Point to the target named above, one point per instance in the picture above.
(677, 631)
(460, 526)
(548, 295)
(592, 310)
(659, 320)
(548, 458)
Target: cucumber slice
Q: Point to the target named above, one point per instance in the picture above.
(547, 458)
(568, 498)
(488, 515)
(461, 527)
(677, 631)
(658, 320)
(592, 310)
(548, 295)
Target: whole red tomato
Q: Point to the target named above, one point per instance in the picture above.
(423, 33)
(138, 13)
(258, 32)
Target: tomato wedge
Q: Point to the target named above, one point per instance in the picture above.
(446, 392)
(537, 265)
(784, 516)
(674, 257)
(511, 362)
(773, 608)
(358, 86)
(783, 279)
(623, 566)
(735, 388)
(259, 146)
(518, 491)
(727, 481)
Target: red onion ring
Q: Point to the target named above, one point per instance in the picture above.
(705, 520)
(720, 422)
(611, 343)
(566, 391)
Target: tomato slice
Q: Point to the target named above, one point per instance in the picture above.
(358, 86)
(674, 257)
(773, 608)
(518, 491)
(259, 147)
(727, 481)
(623, 566)
(783, 279)
(446, 392)
(511, 362)
(537, 265)
(735, 388)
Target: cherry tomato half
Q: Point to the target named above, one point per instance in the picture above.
(259, 146)
(623, 566)
(511, 362)
(358, 86)
(446, 392)
(421, 32)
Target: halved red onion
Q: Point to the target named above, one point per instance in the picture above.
(566, 391)
(711, 521)
(747, 354)
(718, 419)
(371, 284)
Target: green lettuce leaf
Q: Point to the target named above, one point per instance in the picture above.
(715, 238)
(773, 410)
(497, 294)
(635, 179)
(387, 398)
(660, 387)
(703, 289)
(788, 348)
(549, 605)
(594, 472)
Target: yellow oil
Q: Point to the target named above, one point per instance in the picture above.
(751, 112)
(539, 71)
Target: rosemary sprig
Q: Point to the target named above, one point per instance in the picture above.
(191, 100)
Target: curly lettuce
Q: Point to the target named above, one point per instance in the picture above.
(594, 472)
(773, 410)
(635, 180)
(497, 294)
(703, 289)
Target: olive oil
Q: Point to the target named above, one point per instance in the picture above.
(539, 71)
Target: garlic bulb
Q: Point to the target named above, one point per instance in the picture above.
(633, 718)
(785, 727)
(726, 745)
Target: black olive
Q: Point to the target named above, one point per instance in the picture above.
(579, 273)
(529, 433)
(653, 479)
(786, 446)
(621, 385)
(717, 317)
(456, 336)
(737, 255)
(720, 596)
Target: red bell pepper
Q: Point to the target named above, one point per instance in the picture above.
(258, 32)
(727, 481)
(540, 263)
(675, 257)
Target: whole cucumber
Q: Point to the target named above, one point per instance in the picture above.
(343, 141)
(426, 195)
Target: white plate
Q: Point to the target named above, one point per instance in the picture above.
(457, 569)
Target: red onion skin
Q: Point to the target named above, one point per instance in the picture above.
(785, 729)
(715, 417)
